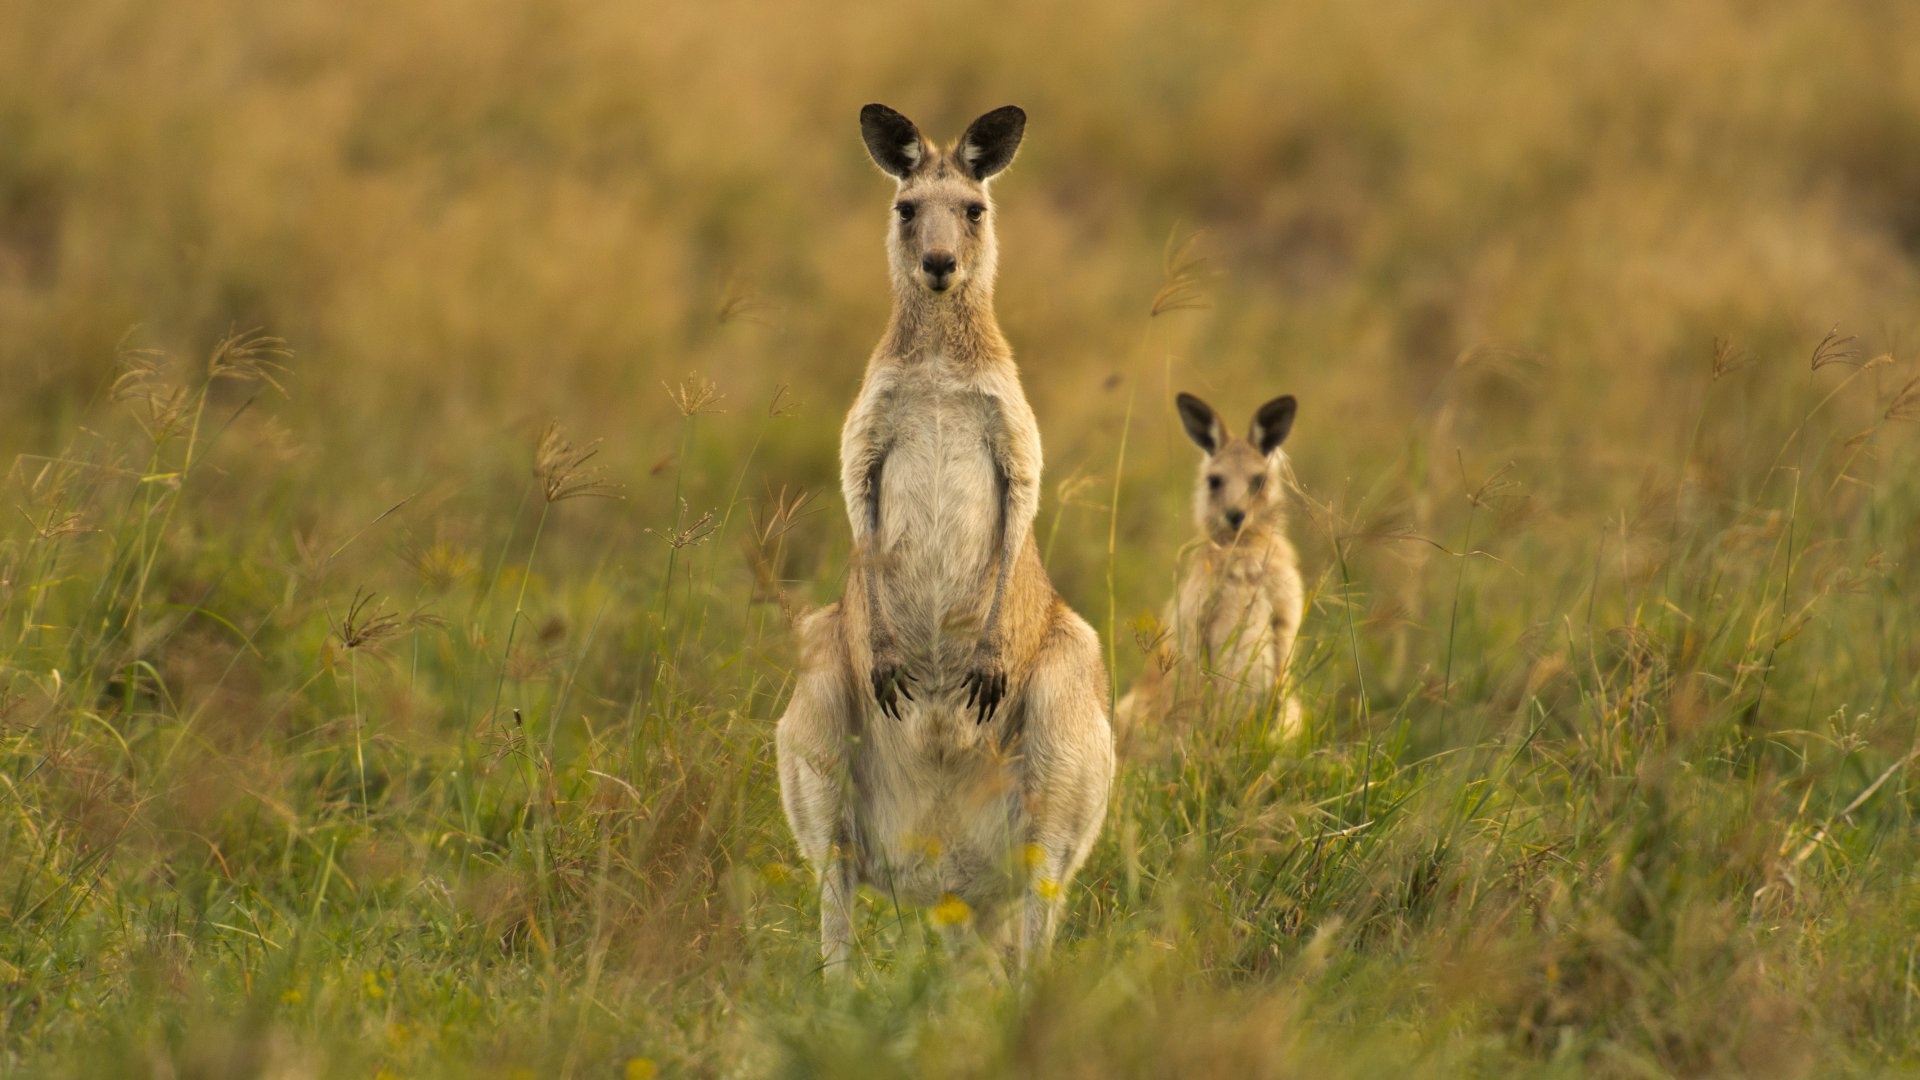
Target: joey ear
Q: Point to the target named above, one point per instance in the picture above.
(990, 142)
(1271, 423)
(892, 140)
(1202, 423)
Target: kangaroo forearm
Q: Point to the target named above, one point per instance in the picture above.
(1284, 635)
(1015, 519)
(866, 541)
(992, 631)
(876, 619)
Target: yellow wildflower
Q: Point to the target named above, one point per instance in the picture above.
(951, 911)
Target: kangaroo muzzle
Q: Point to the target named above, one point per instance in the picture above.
(939, 268)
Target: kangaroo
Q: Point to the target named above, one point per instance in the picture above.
(1236, 611)
(947, 738)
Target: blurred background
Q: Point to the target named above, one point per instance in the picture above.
(1442, 226)
(1618, 297)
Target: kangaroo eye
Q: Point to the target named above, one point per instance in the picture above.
(905, 210)
(975, 212)
(1256, 484)
(1213, 483)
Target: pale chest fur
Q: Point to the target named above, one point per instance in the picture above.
(939, 508)
(940, 806)
(1233, 604)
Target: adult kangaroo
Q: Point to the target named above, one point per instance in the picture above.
(948, 736)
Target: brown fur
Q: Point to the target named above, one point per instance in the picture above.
(948, 738)
(1235, 616)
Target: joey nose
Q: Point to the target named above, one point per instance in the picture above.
(1235, 517)
(938, 264)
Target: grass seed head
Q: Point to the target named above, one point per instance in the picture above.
(739, 303)
(159, 404)
(696, 395)
(1183, 271)
(692, 534)
(1835, 348)
(442, 565)
(366, 626)
(250, 356)
(1728, 357)
(56, 525)
(1906, 402)
(564, 471)
(782, 404)
(778, 516)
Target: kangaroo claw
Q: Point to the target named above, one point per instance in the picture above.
(891, 684)
(986, 687)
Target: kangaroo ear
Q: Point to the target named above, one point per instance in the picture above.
(990, 142)
(1271, 423)
(892, 140)
(1202, 423)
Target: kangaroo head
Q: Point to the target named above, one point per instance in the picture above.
(1240, 478)
(942, 234)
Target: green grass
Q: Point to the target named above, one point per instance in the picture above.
(518, 813)
(344, 732)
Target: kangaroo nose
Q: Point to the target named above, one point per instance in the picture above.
(939, 263)
(1235, 517)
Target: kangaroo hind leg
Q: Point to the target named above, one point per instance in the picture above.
(1067, 772)
(814, 739)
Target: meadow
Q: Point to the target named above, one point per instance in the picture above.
(414, 417)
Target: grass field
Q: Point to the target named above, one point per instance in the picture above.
(355, 721)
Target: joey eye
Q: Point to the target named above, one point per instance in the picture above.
(905, 210)
(1256, 484)
(975, 212)
(1213, 483)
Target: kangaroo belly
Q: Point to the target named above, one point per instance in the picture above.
(939, 527)
(934, 825)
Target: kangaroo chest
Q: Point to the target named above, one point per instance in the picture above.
(940, 496)
(1226, 614)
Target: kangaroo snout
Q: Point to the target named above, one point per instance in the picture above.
(1235, 518)
(939, 267)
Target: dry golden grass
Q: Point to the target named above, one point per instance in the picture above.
(338, 738)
